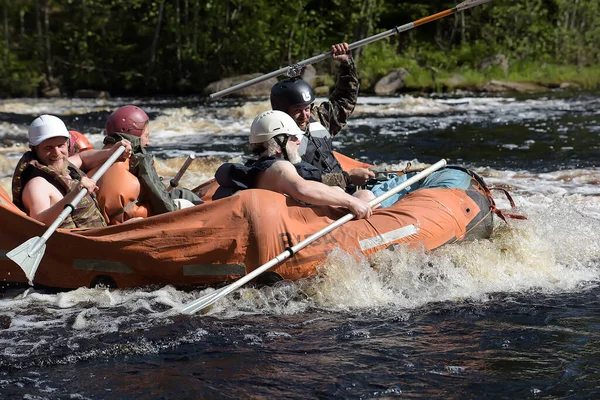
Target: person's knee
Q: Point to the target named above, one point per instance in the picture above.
(365, 195)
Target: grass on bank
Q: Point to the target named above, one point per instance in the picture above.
(431, 70)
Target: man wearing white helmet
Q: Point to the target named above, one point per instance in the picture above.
(46, 179)
(275, 138)
(321, 123)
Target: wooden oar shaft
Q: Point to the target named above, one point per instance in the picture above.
(460, 7)
(175, 181)
(432, 17)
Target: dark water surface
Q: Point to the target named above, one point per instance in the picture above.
(517, 316)
(510, 347)
(543, 133)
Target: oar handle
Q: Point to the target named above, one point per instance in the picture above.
(295, 69)
(175, 181)
(209, 299)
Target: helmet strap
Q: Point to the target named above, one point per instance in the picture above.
(282, 145)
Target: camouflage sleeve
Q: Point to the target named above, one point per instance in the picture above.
(341, 179)
(333, 114)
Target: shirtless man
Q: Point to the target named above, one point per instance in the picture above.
(46, 179)
(275, 138)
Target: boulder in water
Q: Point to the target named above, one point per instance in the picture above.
(259, 89)
(391, 83)
(502, 86)
(91, 94)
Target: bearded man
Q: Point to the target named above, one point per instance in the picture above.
(46, 179)
(275, 139)
(321, 123)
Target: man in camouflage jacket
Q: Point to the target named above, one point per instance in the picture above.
(321, 123)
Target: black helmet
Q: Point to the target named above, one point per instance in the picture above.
(291, 92)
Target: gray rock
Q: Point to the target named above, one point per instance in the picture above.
(570, 85)
(501, 86)
(91, 94)
(456, 80)
(391, 83)
(52, 92)
(321, 91)
(259, 89)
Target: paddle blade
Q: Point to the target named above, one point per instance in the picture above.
(204, 301)
(26, 258)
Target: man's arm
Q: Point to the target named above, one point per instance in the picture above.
(282, 177)
(90, 159)
(334, 113)
(44, 202)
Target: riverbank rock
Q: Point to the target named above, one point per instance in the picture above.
(456, 80)
(502, 86)
(91, 94)
(259, 89)
(52, 92)
(570, 85)
(322, 91)
(496, 60)
(391, 83)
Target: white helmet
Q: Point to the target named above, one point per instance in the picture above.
(272, 123)
(46, 127)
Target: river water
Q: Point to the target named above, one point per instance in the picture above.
(516, 316)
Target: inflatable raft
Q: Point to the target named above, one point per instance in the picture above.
(225, 239)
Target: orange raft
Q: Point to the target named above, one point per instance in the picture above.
(224, 239)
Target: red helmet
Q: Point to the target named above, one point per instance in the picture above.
(78, 143)
(127, 119)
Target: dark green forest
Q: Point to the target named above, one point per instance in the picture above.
(144, 47)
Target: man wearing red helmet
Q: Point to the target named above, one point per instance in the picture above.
(320, 124)
(78, 143)
(131, 120)
(131, 190)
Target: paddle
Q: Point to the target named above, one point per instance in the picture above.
(175, 181)
(209, 299)
(296, 69)
(29, 254)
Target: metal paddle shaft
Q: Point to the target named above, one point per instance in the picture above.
(175, 181)
(29, 254)
(209, 299)
(294, 70)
